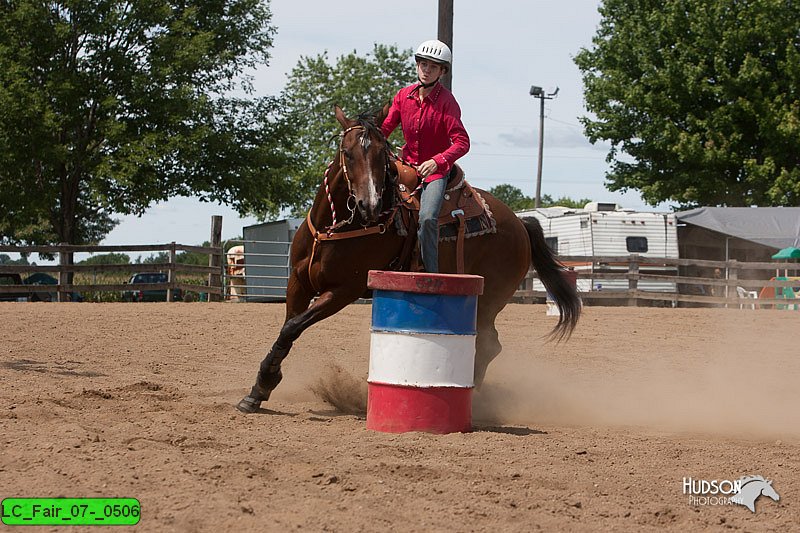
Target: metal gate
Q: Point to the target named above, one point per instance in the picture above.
(259, 270)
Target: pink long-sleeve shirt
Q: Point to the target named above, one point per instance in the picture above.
(432, 128)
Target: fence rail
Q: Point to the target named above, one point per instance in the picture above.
(631, 278)
(66, 268)
(628, 272)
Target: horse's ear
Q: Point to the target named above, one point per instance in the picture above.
(343, 120)
(383, 114)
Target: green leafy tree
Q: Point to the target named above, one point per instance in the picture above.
(357, 84)
(189, 258)
(157, 258)
(194, 258)
(107, 259)
(5, 259)
(513, 198)
(107, 107)
(564, 201)
(699, 99)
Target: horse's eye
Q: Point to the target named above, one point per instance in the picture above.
(347, 154)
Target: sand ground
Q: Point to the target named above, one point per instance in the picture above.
(598, 433)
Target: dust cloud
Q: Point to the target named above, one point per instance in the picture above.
(725, 394)
(341, 390)
(734, 373)
(739, 399)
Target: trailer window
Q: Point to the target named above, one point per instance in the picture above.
(636, 244)
(552, 243)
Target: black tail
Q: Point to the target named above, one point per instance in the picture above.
(549, 270)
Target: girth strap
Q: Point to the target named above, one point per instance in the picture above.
(462, 227)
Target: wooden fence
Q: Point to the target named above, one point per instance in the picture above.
(634, 269)
(65, 267)
(622, 271)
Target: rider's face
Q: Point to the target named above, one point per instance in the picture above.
(428, 71)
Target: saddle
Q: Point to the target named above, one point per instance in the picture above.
(463, 214)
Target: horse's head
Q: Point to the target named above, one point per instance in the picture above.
(751, 488)
(364, 157)
(768, 491)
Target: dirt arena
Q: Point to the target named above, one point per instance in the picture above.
(136, 400)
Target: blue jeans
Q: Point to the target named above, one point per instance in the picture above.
(430, 202)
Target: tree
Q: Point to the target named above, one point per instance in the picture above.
(5, 259)
(107, 259)
(188, 258)
(513, 198)
(107, 107)
(698, 98)
(564, 201)
(356, 84)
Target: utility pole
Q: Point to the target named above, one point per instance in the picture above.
(538, 92)
(446, 35)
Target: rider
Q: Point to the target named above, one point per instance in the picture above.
(435, 138)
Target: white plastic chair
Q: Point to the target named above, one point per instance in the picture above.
(744, 294)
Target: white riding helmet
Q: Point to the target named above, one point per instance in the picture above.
(435, 51)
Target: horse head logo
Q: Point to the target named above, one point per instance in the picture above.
(752, 488)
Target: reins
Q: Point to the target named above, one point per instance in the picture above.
(350, 196)
(329, 233)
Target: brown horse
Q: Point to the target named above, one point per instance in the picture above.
(330, 257)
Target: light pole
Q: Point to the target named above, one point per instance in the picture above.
(538, 92)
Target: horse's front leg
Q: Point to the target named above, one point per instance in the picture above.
(269, 373)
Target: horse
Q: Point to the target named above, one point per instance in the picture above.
(751, 488)
(331, 256)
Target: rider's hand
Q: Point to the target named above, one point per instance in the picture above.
(427, 168)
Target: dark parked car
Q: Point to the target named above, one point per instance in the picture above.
(143, 294)
(40, 278)
(13, 279)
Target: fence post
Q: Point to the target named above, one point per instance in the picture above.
(633, 280)
(63, 275)
(171, 272)
(215, 260)
(527, 285)
(733, 281)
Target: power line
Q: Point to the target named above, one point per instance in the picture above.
(519, 124)
(565, 123)
(529, 156)
(473, 179)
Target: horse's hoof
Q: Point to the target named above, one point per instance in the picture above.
(248, 404)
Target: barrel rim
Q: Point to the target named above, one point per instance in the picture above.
(426, 283)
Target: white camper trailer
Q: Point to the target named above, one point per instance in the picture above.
(601, 229)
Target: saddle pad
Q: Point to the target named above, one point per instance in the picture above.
(478, 225)
(479, 218)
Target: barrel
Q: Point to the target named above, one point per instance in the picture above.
(422, 351)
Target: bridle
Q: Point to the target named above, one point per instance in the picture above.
(351, 203)
(329, 234)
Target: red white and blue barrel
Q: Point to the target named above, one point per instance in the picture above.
(422, 351)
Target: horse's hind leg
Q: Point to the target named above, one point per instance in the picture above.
(487, 345)
(269, 372)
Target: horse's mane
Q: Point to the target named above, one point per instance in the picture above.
(748, 479)
(367, 121)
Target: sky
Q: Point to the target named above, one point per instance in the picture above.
(500, 49)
